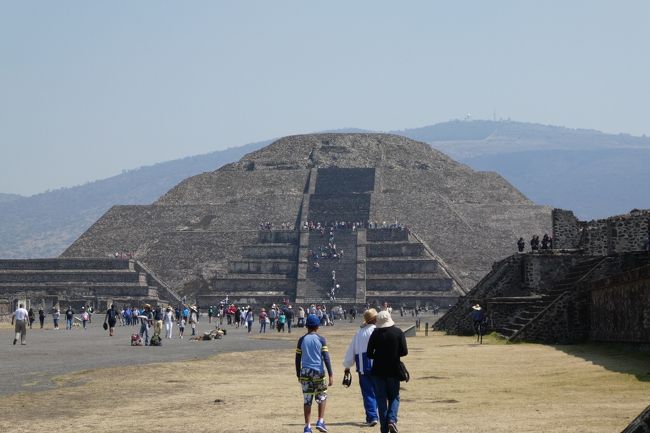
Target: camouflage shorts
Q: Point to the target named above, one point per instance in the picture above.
(314, 384)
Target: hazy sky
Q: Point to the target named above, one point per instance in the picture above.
(89, 88)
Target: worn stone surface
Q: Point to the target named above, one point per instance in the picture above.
(617, 234)
(469, 219)
(42, 283)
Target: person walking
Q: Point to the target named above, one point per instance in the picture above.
(301, 317)
(56, 315)
(158, 317)
(41, 317)
(69, 317)
(312, 357)
(84, 317)
(168, 319)
(263, 317)
(386, 346)
(111, 319)
(250, 318)
(289, 316)
(357, 355)
(146, 320)
(20, 317)
(478, 321)
(194, 318)
(31, 317)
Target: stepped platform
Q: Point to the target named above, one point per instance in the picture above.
(95, 282)
(195, 233)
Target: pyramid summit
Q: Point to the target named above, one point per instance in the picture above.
(413, 224)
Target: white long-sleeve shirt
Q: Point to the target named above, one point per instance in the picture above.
(356, 353)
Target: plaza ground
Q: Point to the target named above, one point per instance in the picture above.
(247, 384)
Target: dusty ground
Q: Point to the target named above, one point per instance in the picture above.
(456, 386)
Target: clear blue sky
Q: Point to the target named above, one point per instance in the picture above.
(89, 88)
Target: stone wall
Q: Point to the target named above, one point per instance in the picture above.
(620, 307)
(617, 234)
(566, 229)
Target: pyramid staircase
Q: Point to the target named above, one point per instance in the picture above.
(536, 306)
(380, 264)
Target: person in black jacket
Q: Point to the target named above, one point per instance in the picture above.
(385, 347)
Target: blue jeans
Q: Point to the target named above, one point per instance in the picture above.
(68, 323)
(368, 394)
(263, 326)
(144, 333)
(387, 393)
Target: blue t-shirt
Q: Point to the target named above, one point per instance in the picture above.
(312, 353)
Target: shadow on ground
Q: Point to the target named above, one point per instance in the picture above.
(618, 357)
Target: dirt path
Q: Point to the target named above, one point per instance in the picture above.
(456, 386)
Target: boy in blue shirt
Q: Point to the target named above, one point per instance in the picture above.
(312, 357)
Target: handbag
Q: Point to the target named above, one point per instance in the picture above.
(404, 375)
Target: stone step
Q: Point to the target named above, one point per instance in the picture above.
(69, 276)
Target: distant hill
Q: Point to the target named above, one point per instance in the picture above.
(43, 225)
(593, 173)
(5, 198)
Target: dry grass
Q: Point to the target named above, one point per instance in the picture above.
(456, 386)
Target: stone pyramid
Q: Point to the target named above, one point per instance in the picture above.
(203, 237)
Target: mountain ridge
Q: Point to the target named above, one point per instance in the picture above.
(596, 184)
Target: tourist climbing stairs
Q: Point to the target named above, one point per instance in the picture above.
(319, 282)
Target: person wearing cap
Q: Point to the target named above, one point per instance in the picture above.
(478, 318)
(357, 354)
(146, 319)
(386, 346)
(312, 357)
(194, 318)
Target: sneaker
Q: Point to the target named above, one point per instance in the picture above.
(307, 430)
(15, 341)
(392, 427)
(372, 423)
(320, 426)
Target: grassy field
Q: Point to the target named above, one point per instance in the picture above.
(456, 386)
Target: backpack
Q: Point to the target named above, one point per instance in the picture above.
(136, 340)
(155, 340)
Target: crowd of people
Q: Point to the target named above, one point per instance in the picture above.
(535, 244)
(352, 225)
(375, 349)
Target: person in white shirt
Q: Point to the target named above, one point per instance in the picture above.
(168, 318)
(356, 354)
(20, 317)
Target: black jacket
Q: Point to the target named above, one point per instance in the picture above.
(385, 347)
